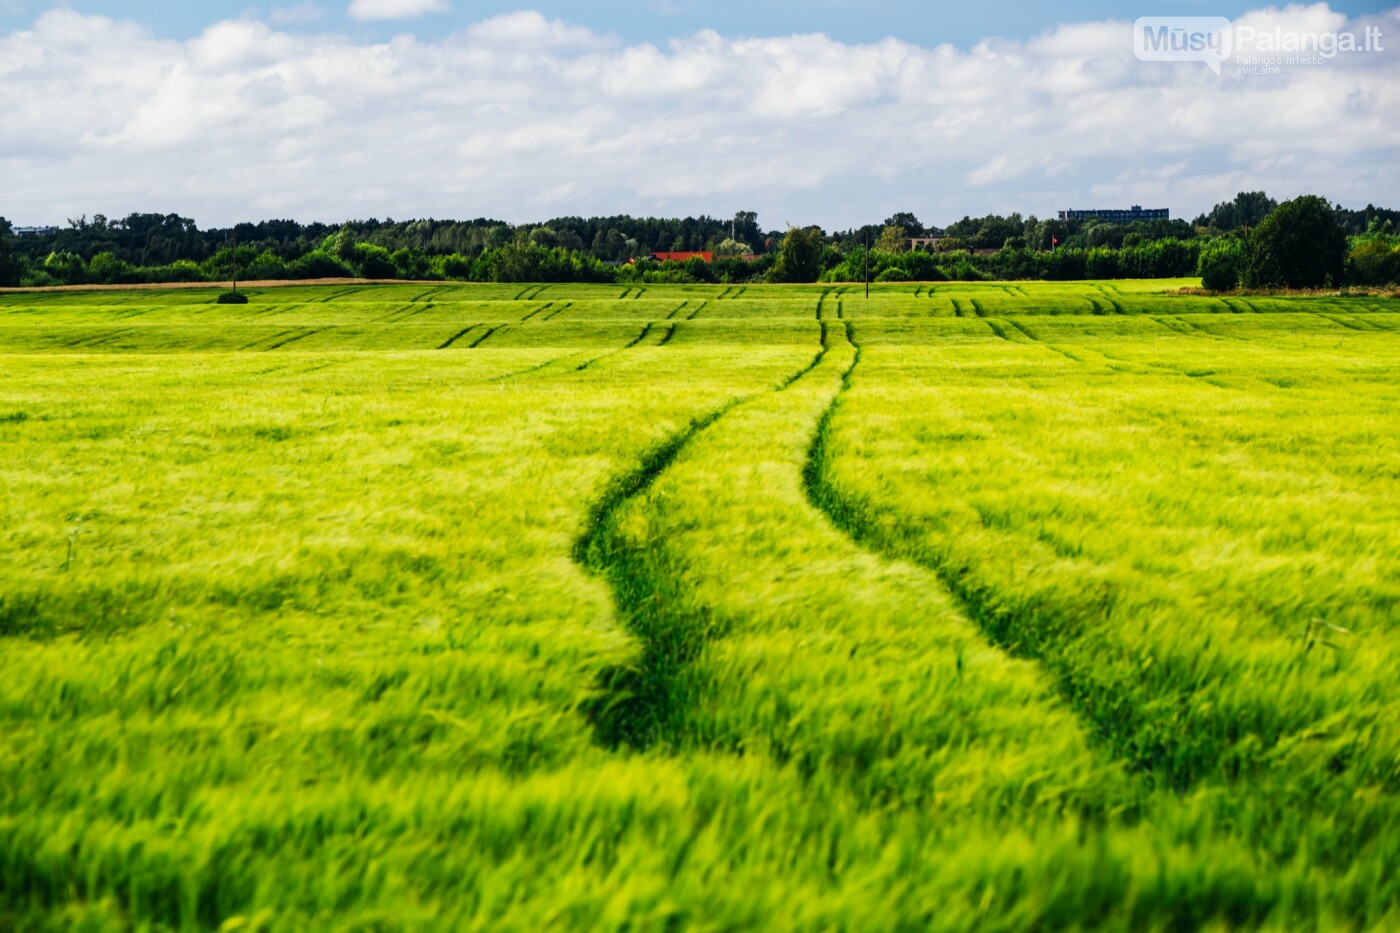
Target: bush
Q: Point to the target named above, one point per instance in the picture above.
(109, 270)
(1222, 264)
(1299, 245)
(964, 271)
(267, 266)
(374, 262)
(232, 298)
(410, 263)
(893, 274)
(1375, 261)
(319, 264)
(66, 268)
(451, 266)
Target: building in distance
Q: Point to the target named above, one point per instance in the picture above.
(1117, 215)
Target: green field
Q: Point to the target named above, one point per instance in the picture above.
(967, 606)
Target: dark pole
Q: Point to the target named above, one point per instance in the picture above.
(867, 265)
(235, 259)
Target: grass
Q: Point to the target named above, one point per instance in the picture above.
(973, 606)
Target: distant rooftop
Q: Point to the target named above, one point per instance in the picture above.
(1117, 214)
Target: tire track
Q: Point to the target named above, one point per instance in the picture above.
(1031, 632)
(302, 336)
(486, 336)
(1336, 319)
(816, 361)
(532, 369)
(1113, 302)
(1041, 343)
(457, 336)
(340, 293)
(587, 364)
(259, 340)
(637, 702)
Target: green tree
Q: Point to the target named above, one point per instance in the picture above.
(893, 239)
(728, 249)
(1375, 262)
(799, 256)
(1248, 209)
(1299, 245)
(906, 219)
(374, 262)
(9, 263)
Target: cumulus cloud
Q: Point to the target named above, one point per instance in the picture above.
(394, 9)
(305, 12)
(521, 115)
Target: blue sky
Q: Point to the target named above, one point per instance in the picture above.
(917, 21)
(826, 111)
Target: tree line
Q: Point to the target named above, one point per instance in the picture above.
(168, 248)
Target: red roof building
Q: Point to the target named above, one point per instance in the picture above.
(682, 257)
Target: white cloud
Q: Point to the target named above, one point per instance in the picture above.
(394, 9)
(521, 114)
(305, 12)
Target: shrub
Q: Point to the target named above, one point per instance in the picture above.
(374, 262)
(1222, 264)
(231, 298)
(1375, 262)
(319, 264)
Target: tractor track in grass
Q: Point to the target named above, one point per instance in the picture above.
(528, 370)
(1354, 324)
(338, 293)
(677, 310)
(457, 336)
(303, 335)
(1025, 638)
(542, 308)
(1113, 302)
(816, 360)
(1034, 632)
(636, 701)
(696, 313)
(255, 343)
(995, 326)
(556, 312)
(398, 314)
(486, 336)
(1038, 342)
(93, 341)
(588, 364)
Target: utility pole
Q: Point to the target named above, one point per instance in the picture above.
(235, 259)
(867, 266)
